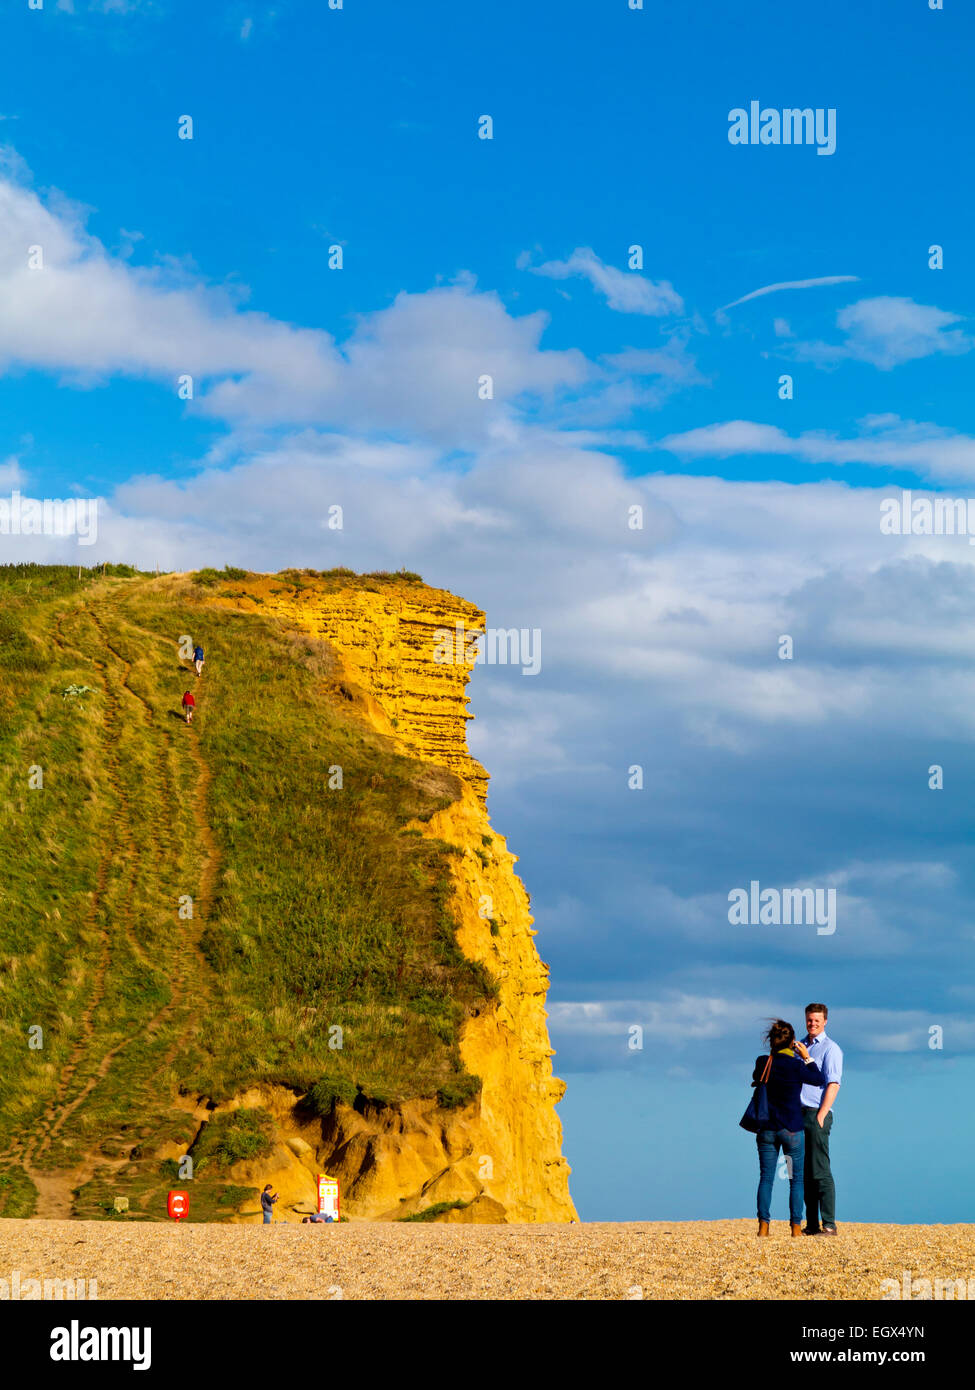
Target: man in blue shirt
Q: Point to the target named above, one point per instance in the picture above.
(817, 1113)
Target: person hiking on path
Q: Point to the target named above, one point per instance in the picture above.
(198, 660)
(268, 1198)
(189, 705)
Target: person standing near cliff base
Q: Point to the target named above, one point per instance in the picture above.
(817, 1111)
(268, 1198)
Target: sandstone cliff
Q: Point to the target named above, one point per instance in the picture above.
(499, 1157)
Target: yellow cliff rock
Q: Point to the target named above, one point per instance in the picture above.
(500, 1156)
(387, 639)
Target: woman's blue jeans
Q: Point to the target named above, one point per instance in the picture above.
(793, 1145)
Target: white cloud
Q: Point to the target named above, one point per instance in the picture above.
(11, 473)
(885, 441)
(636, 378)
(412, 367)
(416, 366)
(680, 1019)
(85, 311)
(887, 331)
(625, 290)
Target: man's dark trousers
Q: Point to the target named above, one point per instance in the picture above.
(820, 1192)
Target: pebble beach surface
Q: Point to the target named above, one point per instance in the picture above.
(368, 1260)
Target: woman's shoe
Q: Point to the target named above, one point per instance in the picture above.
(763, 1228)
(796, 1228)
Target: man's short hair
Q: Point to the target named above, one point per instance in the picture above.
(817, 1009)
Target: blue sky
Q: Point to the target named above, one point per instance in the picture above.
(614, 387)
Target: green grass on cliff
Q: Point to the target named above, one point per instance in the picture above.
(190, 911)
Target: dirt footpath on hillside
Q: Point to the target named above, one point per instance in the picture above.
(658, 1260)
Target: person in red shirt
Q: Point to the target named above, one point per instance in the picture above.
(189, 704)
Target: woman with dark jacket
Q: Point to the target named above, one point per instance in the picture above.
(784, 1080)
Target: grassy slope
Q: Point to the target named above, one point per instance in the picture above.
(313, 909)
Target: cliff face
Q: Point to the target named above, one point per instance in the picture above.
(500, 1155)
(388, 641)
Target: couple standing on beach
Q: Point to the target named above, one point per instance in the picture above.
(802, 1079)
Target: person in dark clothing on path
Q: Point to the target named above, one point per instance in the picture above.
(784, 1073)
(198, 660)
(268, 1198)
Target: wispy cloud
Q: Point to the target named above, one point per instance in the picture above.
(672, 361)
(106, 6)
(790, 285)
(885, 441)
(625, 290)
